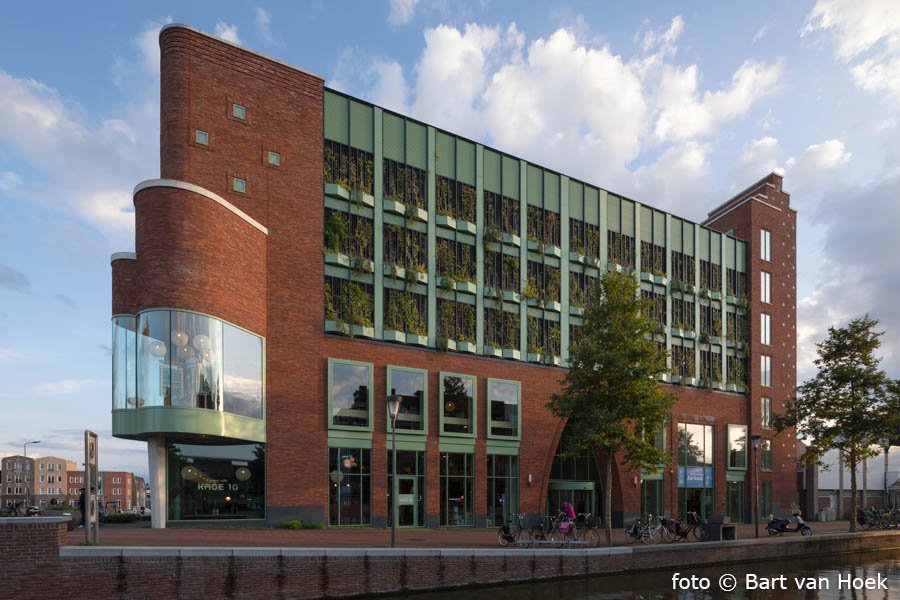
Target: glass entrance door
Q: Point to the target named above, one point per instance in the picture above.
(407, 504)
(582, 495)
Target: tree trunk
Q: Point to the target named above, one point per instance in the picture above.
(607, 493)
(852, 465)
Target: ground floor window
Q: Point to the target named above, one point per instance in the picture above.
(651, 498)
(216, 481)
(410, 488)
(502, 487)
(765, 499)
(349, 486)
(457, 485)
(735, 501)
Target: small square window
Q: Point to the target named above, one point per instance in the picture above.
(201, 137)
(239, 111)
(274, 159)
(239, 185)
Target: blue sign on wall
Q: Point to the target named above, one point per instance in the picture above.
(695, 477)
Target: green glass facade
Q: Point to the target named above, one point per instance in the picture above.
(433, 240)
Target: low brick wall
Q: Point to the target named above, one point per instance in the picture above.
(31, 553)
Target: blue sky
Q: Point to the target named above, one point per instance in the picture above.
(676, 105)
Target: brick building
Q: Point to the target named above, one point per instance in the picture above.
(50, 477)
(18, 476)
(257, 365)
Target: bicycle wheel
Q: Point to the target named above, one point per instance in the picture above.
(503, 536)
(591, 537)
(651, 536)
(524, 538)
(557, 538)
(668, 533)
(705, 533)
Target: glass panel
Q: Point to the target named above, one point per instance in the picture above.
(216, 482)
(154, 384)
(350, 394)
(504, 403)
(242, 372)
(457, 404)
(123, 384)
(196, 361)
(349, 484)
(411, 386)
(737, 446)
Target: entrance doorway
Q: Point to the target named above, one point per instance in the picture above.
(407, 502)
(582, 495)
(736, 501)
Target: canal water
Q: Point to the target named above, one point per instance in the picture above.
(850, 577)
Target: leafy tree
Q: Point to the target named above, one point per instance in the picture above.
(610, 394)
(850, 405)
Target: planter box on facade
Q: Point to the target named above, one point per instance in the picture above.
(466, 286)
(576, 310)
(512, 239)
(392, 335)
(336, 327)
(553, 251)
(446, 221)
(465, 347)
(336, 258)
(690, 381)
(418, 340)
(492, 351)
(535, 358)
(512, 353)
(393, 206)
(363, 264)
(362, 331)
(553, 360)
(466, 226)
(393, 271)
(509, 296)
(552, 305)
(576, 257)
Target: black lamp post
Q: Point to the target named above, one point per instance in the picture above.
(393, 402)
(755, 440)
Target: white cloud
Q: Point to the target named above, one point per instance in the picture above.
(8, 355)
(9, 180)
(683, 114)
(757, 158)
(66, 387)
(571, 102)
(763, 31)
(401, 11)
(227, 32)
(87, 165)
(816, 170)
(264, 27)
(863, 27)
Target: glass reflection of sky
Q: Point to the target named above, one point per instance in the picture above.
(346, 380)
(507, 393)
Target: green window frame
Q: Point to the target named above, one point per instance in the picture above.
(449, 409)
(497, 426)
(351, 413)
(238, 111)
(408, 416)
(239, 185)
(201, 137)
(765, 455)
(737, 447)
(274, 159)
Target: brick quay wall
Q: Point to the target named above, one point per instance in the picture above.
(33, 551)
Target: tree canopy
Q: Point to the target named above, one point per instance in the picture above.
(850, 405)
(611, 395)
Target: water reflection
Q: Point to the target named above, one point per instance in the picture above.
(658, 586)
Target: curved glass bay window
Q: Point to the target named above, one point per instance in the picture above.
(216, 482)
(182, 359)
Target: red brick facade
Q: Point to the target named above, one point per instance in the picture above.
(766, 206)
(195, 254)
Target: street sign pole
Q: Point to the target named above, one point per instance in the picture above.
(91, 518)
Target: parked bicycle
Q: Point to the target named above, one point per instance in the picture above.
(507, 534)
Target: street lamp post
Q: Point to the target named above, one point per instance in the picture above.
(393, 402)
(755, 440)
(25, 454)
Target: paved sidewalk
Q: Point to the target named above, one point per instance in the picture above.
(140, 534)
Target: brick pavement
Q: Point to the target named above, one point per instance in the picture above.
(140, 534)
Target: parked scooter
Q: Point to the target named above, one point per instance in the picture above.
(779, 526)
